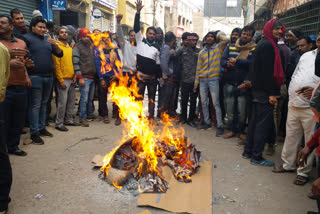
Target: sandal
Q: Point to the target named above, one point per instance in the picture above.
(280, 169)
(106, 120)
(301, 180)
(229, 135)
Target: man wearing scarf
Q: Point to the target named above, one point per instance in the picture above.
(266, 75)
(236, 60)
(19, 28)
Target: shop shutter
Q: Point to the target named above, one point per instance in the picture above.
(306, 16)
(26, 6)
(97, 23)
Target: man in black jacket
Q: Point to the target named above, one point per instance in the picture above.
(266, 76)
(148, 61)
(41, 76)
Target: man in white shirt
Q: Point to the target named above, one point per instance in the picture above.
(300, 116)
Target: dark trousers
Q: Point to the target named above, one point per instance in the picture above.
(187, 95)
(151, 85)
(5, 166)
(261, 129)
(55, 89)
(168, 96)
(103, 98)
(15, 108)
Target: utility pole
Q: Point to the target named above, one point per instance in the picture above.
(154, 12)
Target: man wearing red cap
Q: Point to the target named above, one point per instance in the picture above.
(84, 67)
(267, 76)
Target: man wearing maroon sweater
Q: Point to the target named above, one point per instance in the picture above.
(15, 103)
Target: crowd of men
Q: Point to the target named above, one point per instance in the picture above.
(257, 86)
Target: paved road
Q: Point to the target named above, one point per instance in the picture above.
(61, 172)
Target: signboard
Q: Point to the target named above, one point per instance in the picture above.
(96, 13)
(284, 5)
(59, 5)
(222, 8)
(108, 3)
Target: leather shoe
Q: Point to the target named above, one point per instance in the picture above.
(18, 152)
(62, 128)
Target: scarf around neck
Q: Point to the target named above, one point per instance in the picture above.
(244, 49)
(278, 74)
(22, 29)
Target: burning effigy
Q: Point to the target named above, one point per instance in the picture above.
(145, 147)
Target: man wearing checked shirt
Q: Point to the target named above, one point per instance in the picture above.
(207, 77)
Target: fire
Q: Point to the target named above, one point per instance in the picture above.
(137, 126)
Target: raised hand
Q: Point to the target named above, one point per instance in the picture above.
(119, 17)
(139, 6)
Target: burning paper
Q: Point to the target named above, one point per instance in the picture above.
(146, 147)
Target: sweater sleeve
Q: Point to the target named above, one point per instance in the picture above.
(4, 70)
(314, 141)
(225, 57)
(97, 62)
(76, 62)
(164, 61)
(57, 67)
(54, 52)
(120, 36)
(136, 26)
(199, 66)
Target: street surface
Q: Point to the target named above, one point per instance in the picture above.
(58, 178)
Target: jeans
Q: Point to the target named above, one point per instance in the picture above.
(5, 166)
(103, 98)
(40, 93)
(86, 99)
(15, 107)
(65, 103)
(168, 98)
(235, 105)
(212, 86)
(151, 85)
(261, 129)
(186, 95)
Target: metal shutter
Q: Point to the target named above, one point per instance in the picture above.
(306, 16)
(26, 6)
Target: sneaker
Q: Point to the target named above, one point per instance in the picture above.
(246, 155)
(262, 162)
(117, 122)
(84, 123)
(62, 128)
(44, 132)
(204, 126)
(219, 132)
(18, 152)
(36, 139)
(270, 149)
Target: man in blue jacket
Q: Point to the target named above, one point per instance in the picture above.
(41, 48)
(236, 60)
(106, 76)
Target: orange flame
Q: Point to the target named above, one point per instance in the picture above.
(136, 124)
